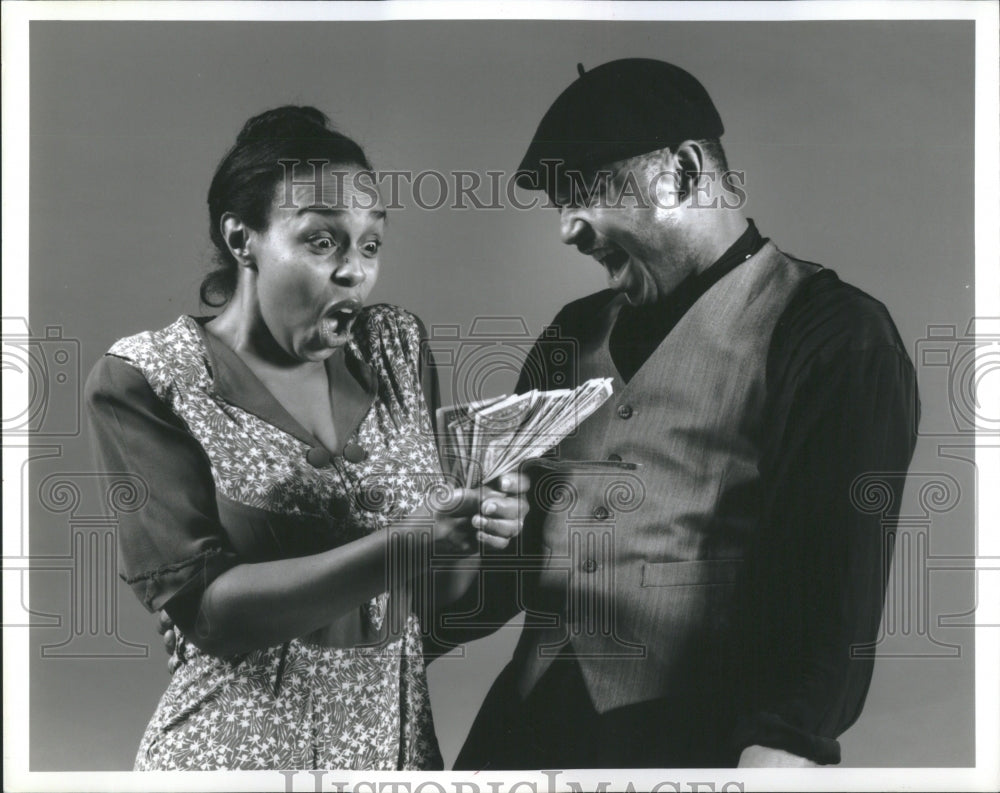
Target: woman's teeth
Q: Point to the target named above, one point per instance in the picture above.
(337, 325)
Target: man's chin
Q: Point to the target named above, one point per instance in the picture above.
(636, 295)
(632, 284)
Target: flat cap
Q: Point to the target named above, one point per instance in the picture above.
(618, 110)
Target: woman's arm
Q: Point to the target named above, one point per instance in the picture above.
(175, 554)
(500, 518)
(502, 512)
(267, 603)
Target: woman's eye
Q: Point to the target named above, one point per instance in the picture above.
(323, 243)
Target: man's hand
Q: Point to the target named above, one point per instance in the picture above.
(765, 757)
(175, 649)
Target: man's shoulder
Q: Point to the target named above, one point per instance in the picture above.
(829, 327)
(829, 311)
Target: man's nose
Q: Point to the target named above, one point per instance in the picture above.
(572, 227)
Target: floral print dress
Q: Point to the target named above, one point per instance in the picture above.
(232, 479)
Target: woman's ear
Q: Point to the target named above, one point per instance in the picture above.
(237, 237)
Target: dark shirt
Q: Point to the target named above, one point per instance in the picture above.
(841, 402)
(639, 330)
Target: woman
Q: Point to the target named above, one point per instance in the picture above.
(287, 450)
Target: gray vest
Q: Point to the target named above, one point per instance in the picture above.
(637, 568)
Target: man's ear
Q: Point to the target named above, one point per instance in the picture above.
(237, 237)
(690, 163)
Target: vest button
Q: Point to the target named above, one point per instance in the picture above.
(589, 566)
(615, 458)
(318, 457)
(625, 411)
(354, 453)
(601, 513)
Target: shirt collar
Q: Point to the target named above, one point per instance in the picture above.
(353, 388)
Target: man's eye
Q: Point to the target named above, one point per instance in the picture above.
(371, 248)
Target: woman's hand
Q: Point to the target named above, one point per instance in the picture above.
(501, 512)
(298, 594)
(485, 514)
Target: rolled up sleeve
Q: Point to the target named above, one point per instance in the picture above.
(173, 546)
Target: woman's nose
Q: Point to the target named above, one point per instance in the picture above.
(351, 272)
(571, 226)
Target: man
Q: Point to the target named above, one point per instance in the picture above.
(708, 617)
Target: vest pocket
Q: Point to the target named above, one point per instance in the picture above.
(701, 572)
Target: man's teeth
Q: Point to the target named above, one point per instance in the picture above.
(614, 262)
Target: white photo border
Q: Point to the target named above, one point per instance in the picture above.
(984, 776)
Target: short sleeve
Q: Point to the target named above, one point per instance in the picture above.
(174, 545)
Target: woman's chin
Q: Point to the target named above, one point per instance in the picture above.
(316, 350)
(319, 354)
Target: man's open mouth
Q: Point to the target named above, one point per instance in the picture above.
(614, 262)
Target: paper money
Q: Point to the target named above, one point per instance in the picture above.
(456, 424)
(486, 439)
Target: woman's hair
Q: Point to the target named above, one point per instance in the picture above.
(245, 181)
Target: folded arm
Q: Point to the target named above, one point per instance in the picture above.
(176, 556)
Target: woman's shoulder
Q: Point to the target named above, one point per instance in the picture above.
(160, 356)
(389, 315)
(178, 334)
(384, 324)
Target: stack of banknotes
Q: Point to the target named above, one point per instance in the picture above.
(486, 439)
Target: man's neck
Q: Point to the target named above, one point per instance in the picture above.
(720, 229)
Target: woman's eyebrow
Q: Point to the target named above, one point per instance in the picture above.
(375, 214)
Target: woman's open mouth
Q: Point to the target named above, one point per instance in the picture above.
(337, 321)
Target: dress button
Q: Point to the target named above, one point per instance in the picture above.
(318, 457)
(625, 411)
(601, 513)
(354, 453)
(615, 458)
(589, 566)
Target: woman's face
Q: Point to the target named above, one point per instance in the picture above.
(317, 261)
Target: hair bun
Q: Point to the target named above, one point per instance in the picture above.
(288, 121)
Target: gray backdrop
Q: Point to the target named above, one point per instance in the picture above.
(857, 141)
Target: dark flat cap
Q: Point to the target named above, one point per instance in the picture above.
(618, 110)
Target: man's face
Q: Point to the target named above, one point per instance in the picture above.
(630, 224)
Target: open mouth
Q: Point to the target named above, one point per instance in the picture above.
(339, 318)
(614, 262)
